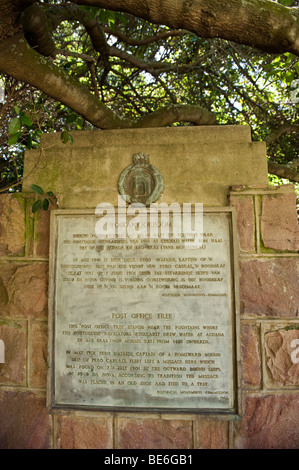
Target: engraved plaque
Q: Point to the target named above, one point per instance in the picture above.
(140, 182)
(143, 324)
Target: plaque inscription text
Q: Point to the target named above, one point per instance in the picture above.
(142, 324)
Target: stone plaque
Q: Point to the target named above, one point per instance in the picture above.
(143, 324)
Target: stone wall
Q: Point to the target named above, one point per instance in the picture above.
(268, 238)
(269, 295)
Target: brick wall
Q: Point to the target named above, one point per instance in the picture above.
(269, 295)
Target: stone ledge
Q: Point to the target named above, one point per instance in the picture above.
(261, 189)
(217, 133)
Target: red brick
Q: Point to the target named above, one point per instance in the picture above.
(251, 361)
(38, 354)
(42, 233)
(268, 422)
(83, 433)
(12, 225)
(25, 423)
(245, 221)
(23, 290)
(154, 434)
(211, 434)
(14, 336)
(269, 287)
(280, 348)
(279, 223)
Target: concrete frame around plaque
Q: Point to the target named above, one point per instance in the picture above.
(71, 385)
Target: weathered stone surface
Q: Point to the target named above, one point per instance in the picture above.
(279, 222)
(280, 355)
(208, 160)
(14, 336)
(25, 423)
(23, 290)
(269, 422)
(12, 225)
(42, 233)
(251, 361)
(154, 434)
(270, 287)
(211, 434)
(74, 432)
(38, 354)
(245, 221)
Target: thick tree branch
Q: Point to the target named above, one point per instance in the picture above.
(283, 171)
(177, 113)
(285, 129)
(37, 30)
(263, 24)
(20, 61)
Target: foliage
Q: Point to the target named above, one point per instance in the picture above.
(140, 67)
(45, 199)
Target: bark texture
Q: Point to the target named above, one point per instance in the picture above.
(263, 24)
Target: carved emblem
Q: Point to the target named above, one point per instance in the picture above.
(140, 182)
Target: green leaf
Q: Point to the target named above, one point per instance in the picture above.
(29, 142)
(71, 118)
(37, 189)
(26, 120)
(79, 123)
(46, 204)
(14, 125)
(37, 205)
(50, 193)
(286, 2)
(14, 138)
(16, 109)
(64, 137)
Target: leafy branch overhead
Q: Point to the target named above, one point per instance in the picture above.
(129, 63)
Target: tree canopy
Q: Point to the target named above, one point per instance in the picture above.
(111, 64)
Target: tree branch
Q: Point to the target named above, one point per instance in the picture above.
(145, 41)
(36, 29)
(284, 129)
(263, 24)
(177, 113)
(283, 171)
(20, 61)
